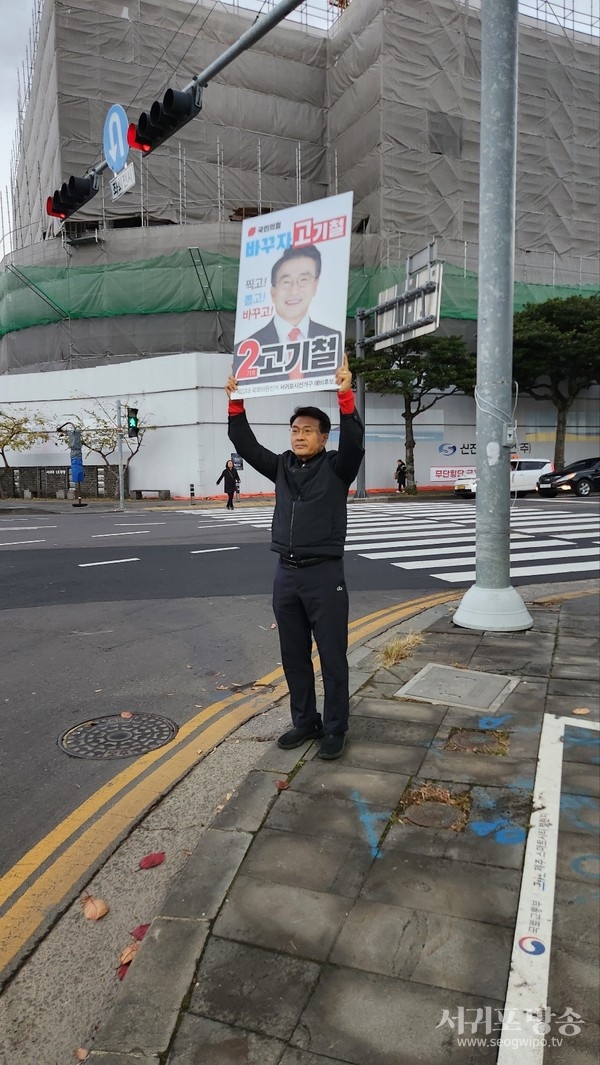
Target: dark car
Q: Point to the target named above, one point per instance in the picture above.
(581, 477)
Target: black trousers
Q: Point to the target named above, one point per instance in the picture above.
(314, 601)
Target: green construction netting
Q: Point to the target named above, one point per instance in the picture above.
(169, 284)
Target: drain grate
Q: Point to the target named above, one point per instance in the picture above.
(116, 737)
(434, 815)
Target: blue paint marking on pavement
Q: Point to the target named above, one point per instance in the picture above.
(368, 820)
(493, 722)
(502, 830)
(574, 807)
(577, 865)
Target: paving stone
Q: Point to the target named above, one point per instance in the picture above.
(578, 857)
(573, 982)
(579, 813)
(383, 730)
(358, 679)
(578, 779)
(576, 912)
(320, 815)
(581, 1049)
(252, 989)
(249, 805)
(584, 670)
(428, 948)
(563, 705)
(375, 1020)
(576, 686)
(578, 645)
(343, 781)
(147, 1009)
(447, 625)
(400, 710)
(459, 889)
(582, 745)
(338, 865)
(528, 695)
(511, 663)
(199, 1039)
(274, 760)
(383, 757)
(476, 768)
(281, 917)
(202, 883)
(377, 689)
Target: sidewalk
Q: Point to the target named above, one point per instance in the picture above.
(365, 914)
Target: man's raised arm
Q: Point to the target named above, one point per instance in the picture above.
(351, 446)
(243, 439)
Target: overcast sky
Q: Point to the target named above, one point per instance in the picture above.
(16, 21)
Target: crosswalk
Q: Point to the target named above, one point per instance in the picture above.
(439, 538)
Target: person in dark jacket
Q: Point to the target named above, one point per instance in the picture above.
(231, 482)
(308, 533)
(400, 475)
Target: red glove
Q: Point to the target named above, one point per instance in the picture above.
(346, 402)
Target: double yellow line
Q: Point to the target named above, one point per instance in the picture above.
(97, 831)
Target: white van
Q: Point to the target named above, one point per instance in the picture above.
(524, 474)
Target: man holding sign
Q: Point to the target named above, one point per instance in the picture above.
(308, 533)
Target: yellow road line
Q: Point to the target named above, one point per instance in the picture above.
(28, 912)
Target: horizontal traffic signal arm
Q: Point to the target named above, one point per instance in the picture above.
(166, 117)
(72, 195)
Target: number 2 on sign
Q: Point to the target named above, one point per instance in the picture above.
(249, 350)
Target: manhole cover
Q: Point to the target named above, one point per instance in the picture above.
(434, 814)
(114, 736)
(474, 741)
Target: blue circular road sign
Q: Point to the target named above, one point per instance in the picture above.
(116, 148)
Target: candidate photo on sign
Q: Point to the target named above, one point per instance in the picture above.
(292, 344)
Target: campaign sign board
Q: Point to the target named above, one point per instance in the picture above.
(292, 298)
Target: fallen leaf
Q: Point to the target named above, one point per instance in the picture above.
(126, 957)
(200, 751)
(281, 785)
(139, 932)
(126, 714)
(581, 710)
(274, 626)
(187, 853)
(228, 796)
(94, 908)
(122, 971)
(150, 860)
(222, 687)
(81, 1053)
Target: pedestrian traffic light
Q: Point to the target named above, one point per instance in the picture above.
(132, 421)
(71, 195)
(177, 108)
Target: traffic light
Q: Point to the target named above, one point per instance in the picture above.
(177, 108)
(71, 195)
(132, 421)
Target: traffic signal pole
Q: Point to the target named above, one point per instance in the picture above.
(492, 603)
(120, 455)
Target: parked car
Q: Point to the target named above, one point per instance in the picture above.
(581, 477)
(524, 474)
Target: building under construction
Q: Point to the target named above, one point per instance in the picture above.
(377, 97)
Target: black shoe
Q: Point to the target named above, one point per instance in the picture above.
(297, 736)
(332, 746)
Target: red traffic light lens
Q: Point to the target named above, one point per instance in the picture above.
(134, 141)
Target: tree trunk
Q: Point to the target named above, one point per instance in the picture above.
(562, 413)
(410, 446)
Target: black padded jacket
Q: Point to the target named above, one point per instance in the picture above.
(310, 497)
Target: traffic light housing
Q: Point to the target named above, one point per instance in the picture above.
(166, 117)
(71, 195)
(133, 426)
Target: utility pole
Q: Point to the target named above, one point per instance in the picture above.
(491, 603)
(120, 456)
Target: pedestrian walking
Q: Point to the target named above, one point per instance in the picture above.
(400, 475)
(231, 482)
(308, 533)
